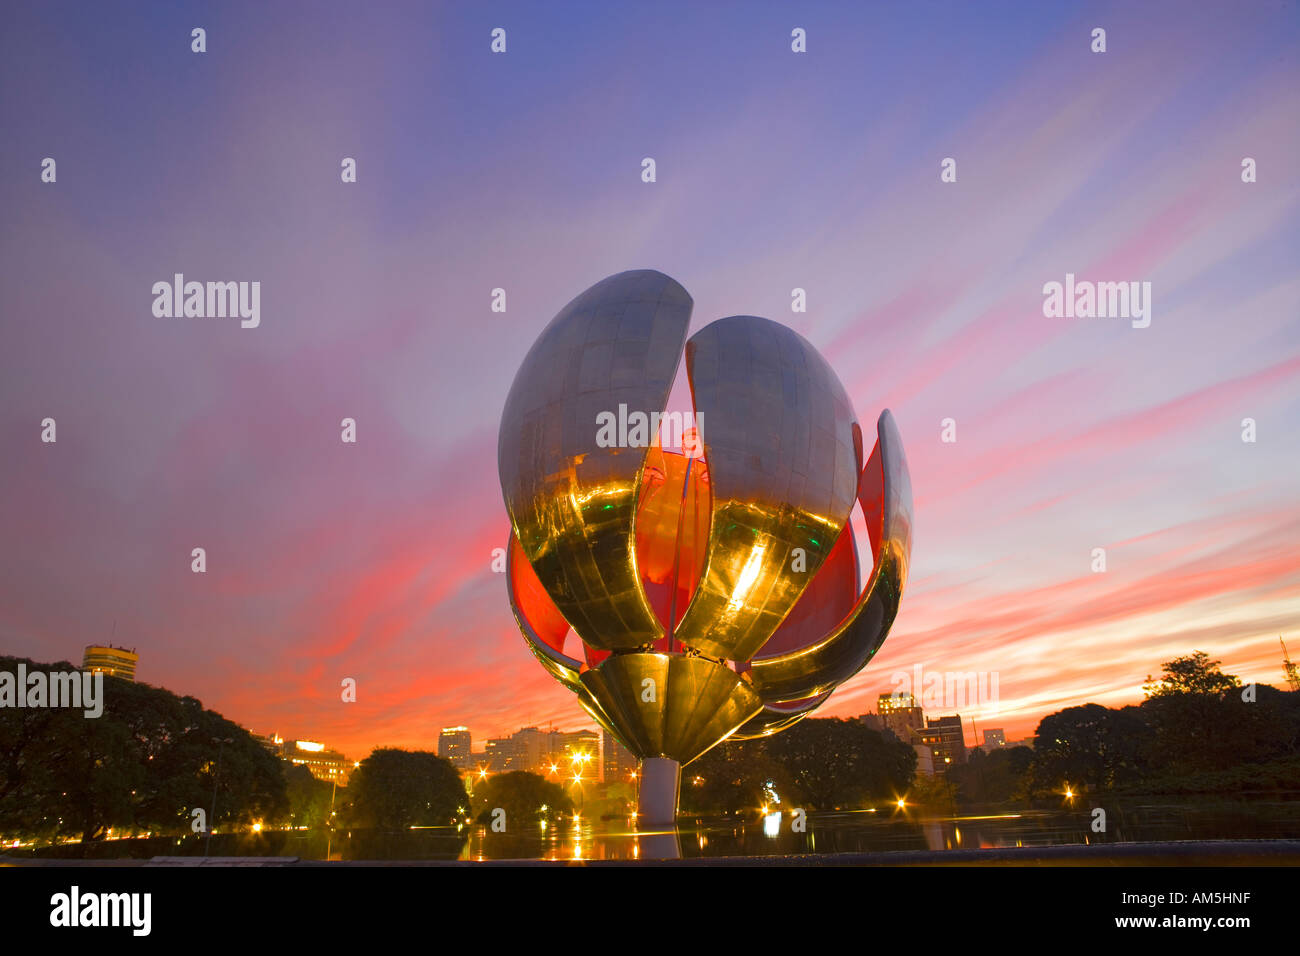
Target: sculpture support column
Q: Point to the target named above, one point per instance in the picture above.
(660, 778)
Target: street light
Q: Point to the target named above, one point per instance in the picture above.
(582, 794)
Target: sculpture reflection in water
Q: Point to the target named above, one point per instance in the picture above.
(688, 598)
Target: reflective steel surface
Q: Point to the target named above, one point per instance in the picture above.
(709, 596)
(671, 705)
(572, 502)
(778, 437)
(545, 629)
(885, 493)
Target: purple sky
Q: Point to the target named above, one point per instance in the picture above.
(522, 171)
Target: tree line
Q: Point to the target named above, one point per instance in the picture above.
(144, 765)
(154, 757)
(818, 764)
(1198, 730)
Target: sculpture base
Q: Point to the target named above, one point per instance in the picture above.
(657, 803)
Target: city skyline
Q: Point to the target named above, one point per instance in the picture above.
(821, 171)
(899, 712)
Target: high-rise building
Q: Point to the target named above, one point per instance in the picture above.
(537, 751)
(320, 761)
(901, 715)
(616, 762)
(533, 747)
(501, 755)
(944, 737)
(928, 744)
(526, 749)
(111, 660)
(323, 763)
(994, 738)
(454, 745)
(583, 745)
(924, 759)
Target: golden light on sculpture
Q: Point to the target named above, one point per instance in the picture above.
(748, 575)
(687, 595)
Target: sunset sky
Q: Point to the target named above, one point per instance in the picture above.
(522, 171)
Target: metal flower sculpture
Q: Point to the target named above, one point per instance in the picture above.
(712, 595)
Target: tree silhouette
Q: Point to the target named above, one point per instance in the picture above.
(1088, 747)
(395, 789)
(819, 763)
(1201, 719)
(144, 764)
(522, 795)
(1192, 674)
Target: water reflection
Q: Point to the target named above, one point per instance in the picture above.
(881, 829)
(889, 829)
